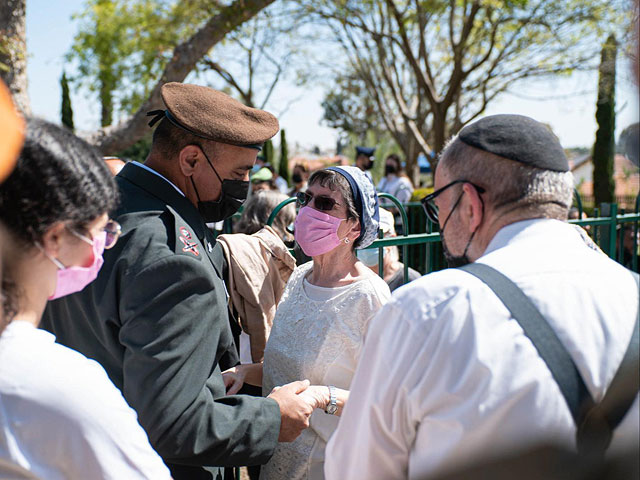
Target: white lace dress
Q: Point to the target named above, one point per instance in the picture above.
(317, 334)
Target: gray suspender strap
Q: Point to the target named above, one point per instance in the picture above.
(549, 347)
(595, 422)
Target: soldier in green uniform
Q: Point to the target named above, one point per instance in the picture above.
(156, 317)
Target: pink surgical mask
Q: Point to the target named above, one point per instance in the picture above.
(74, 279)
(316, 232)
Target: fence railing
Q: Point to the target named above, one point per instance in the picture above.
(610, 228)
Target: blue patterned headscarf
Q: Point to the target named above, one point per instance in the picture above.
(366, 202)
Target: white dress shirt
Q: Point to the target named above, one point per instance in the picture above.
(62, 418)
(447, 377)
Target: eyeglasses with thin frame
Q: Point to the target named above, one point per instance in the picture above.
(320, 202)
(112, 229)
(429, 204)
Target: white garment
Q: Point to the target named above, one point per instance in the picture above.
(446, 376)
(281, 185)
(399, 187)
(62, 418)
(319, 340)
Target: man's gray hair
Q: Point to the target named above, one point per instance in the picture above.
(510, 186)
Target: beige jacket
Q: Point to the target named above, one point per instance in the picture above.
(259, 267)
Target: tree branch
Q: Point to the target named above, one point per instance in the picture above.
(115, 138)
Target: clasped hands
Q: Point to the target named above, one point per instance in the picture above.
(296, 400)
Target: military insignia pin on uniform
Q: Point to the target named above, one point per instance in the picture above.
(189, 246)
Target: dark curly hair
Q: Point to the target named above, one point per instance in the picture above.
(58, 178)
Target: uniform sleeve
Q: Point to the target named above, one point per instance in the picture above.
(175, 330)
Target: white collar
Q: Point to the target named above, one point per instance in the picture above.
(546, 227)
(141, 165)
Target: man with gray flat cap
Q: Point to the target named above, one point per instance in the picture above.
(531, 339)
(156, 318)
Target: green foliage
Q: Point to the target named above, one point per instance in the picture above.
(604, 146)
(283, 165)
(66, 112)
(267, 151)
(122, 46)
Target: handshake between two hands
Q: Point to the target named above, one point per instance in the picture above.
(297, 401)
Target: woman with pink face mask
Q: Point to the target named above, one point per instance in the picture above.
(323, 315)
(60, 415)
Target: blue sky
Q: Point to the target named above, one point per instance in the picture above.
(50, 32)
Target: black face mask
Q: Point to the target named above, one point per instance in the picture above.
(296, 178)
(390, 169)
(455, 261)
(368, 165)
(233, 195)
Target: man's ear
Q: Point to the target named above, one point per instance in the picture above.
(188, 159)
(52, 238)
(475, 207)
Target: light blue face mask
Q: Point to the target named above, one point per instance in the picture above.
(368, 256)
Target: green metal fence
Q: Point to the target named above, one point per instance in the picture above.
(421, 248)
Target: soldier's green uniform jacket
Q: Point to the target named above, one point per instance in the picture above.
(156, 319)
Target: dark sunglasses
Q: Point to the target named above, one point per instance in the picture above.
(320, 202)
(429, 204)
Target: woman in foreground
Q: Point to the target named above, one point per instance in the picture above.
(322, 318)
(60, 415)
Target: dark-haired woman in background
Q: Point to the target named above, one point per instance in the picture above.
(60, 415)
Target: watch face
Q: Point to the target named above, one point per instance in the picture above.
(332, 409)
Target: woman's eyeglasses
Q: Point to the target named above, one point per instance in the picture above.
(112, 230)
(320, 202)
(429, 204)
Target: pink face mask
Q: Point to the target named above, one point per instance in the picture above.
(73, 279)
(316, 232)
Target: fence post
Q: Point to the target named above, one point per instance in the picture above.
(608, 235)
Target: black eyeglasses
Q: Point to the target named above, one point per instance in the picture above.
(429, 204)
(320, 202)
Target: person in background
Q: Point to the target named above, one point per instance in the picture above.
(395, 182)
(115, 164)
(262, 180)
(257, 209)
(280, 183)
(299, 177)
(392, 267)
(447, 375)
(364, 160)
(60, 415)
(322, 318)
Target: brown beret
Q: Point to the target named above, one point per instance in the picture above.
(213, 115)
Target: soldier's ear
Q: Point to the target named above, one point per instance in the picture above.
(188, 159)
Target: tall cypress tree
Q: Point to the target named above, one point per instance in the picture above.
(268, 152)
(604, 146)
(283, 167)
(65, 110)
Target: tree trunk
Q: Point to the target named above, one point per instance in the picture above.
(13, 48)
(604, 146)
(106, 104)
(118, 137)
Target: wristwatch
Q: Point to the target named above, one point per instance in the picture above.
(332, 406)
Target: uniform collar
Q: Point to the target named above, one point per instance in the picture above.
(165, 191)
